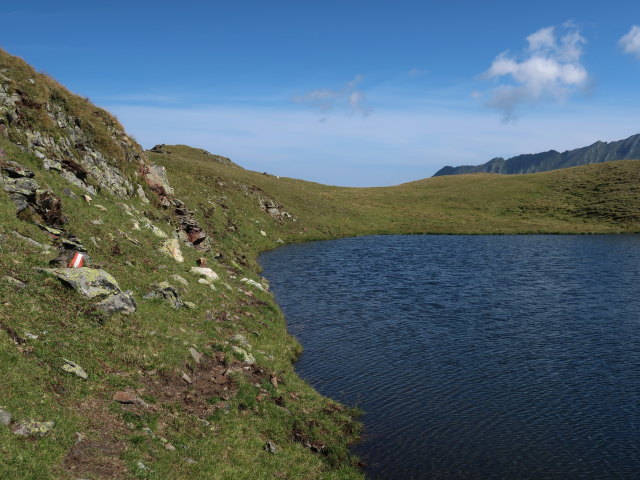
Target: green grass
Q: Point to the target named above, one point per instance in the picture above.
(601, 198)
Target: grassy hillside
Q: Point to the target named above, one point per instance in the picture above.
(198, 381)
(602, 198)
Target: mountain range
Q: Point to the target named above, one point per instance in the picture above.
(553, 160)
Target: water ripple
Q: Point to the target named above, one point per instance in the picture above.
(510, 357)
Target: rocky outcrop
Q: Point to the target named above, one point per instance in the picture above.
(85, 144)
(96, 284)
(188, 228)
(552, 160)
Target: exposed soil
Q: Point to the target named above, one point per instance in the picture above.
(98, 452)
(210, 379)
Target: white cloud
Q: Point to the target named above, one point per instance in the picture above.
(631, 41)
(549, 70)
(349, 97)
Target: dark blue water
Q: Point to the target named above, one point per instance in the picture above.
(474, 357)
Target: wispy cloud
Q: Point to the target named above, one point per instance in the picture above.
(548, 70)
(392, 146)
(349, 98)
(630, 42)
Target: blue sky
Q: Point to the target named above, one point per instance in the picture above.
(358, 93)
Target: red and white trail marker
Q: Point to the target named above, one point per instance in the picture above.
(77, 261)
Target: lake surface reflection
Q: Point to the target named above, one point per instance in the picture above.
(474, 357)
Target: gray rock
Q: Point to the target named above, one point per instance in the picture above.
(90, 282)
(15, 170)
(180, 279)
(5, 417)
(168, 292)
(15, 282)
(20, 186)
(141, 194)
(239, 338)
(31, 428)
(270, 447)
(119, 303)
(244, 355)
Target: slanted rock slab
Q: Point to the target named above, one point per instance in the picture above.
(74, 368)
(90, 282)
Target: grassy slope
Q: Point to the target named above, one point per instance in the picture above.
(592, 199)
(137, 351)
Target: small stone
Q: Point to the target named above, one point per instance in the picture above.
(87, 198)
(253, 283)
(190, 460)
(274, 382)
(190, 305)
(31, 428)
(15, 282)
(31, 336)
(197, 356)
(203, 281)
(246, 356)
(263, 233)
(100, 207)
(125, 397)
(186, 378)
(5, 417)
(270, 447)
(180, 279)
(97, 221)
(239, 338)
(205, 272)
(202, 262)
(142, 466)
(74, 368)
(141, 194)
(168, 446)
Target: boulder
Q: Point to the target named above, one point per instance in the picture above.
(119, 303)
(156, 178)
(97, 284)
(90, 282)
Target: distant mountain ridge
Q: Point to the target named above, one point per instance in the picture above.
(627, 149)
